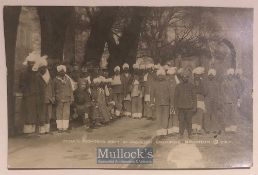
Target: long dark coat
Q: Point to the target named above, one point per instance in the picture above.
(45, 97)
(30, 91)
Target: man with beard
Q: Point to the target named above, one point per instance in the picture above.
(30, 91)
(46, 96)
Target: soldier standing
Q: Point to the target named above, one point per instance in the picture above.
(29, 89)
(230, 98)
(201, 92)
(64, 97)
(117, 91)
(147, 84)
(46, 97)
(136, 94)
(173, 119)
(161, 97)
(126, 79)
(185, 104)
(212, 120)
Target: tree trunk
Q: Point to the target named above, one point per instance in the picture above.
(101, 27)
(113, 51)
(128, 43)
(69, 45)
(11, 21)
(54, 22)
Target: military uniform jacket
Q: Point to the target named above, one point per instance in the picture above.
(160, 93)
(185, 96)
(63, 90)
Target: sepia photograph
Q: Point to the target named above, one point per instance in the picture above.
(129, 87)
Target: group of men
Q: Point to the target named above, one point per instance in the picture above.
(176, 99)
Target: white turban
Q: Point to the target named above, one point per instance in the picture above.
(125, 66)
(109, 80)
(136, 66)
(96, 80)
(149, 66)
(101, 79)
(230, 71)
(171, 71)
(104, 80)
(37, 59)
(142, 66)
(44, 57)
(198, 70)
(42, 62)
(166, 67)
(32, 57)
(157, 66)
(239, 72)
(60, 68)
(212, 72)
(117, 68)
(161, 71)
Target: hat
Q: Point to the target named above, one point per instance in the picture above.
(166, 67)
(39, 61)
(96, 80)
(142, 66)
(125, 66)
(157, 66)
(109, 80)
(198, 70)
(161, 71)
(149, 66)
(60, 68)
(42, 62)
(32, 57)
(212, 72)
(230, 71)
(101, 79)
(171, 71)
(104, 80)
(136, 66)
(44, 57)
(117, 68)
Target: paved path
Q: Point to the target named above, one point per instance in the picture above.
(78, 148)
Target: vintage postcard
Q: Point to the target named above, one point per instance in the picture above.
(129, 87)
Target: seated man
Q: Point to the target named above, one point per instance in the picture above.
(82, 103)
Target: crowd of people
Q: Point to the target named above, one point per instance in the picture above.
(176, 99)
